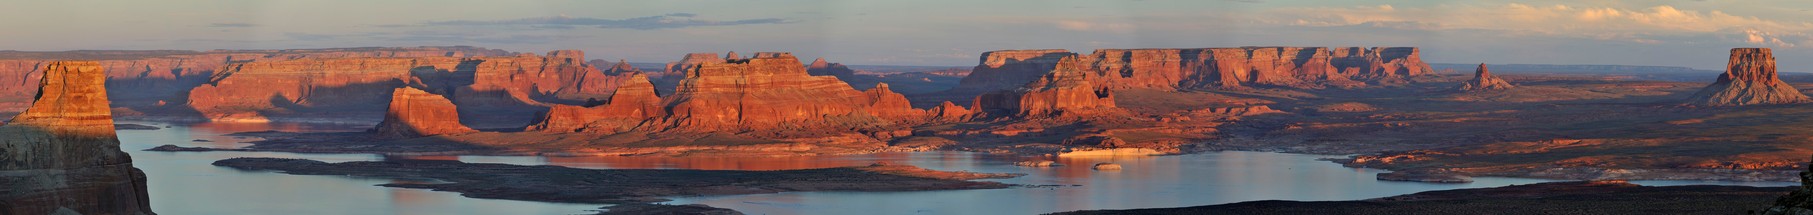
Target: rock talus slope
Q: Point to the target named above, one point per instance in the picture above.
(1749, 79)
(61, 155)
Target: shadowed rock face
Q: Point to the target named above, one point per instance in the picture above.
(416, 113)
(1483, 80)
(1798, 202)
(820, 67)
(1170, 69)
(1749, 79)
(633, 103)
(1066, 91)
(61, 155)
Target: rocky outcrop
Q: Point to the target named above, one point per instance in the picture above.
(633, 103)
(1749, 79)
(885, 103)
(819, 68)
(416, 113)
(767, 91)
(61, 155)
(499, 86)
(1175, 69)
(621, 67)
(1798, 202)
(1068, 90)
(950, 112)
(145, 79)
(1483, 81)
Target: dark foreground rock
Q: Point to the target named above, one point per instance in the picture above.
(1425, 176)
(661, 209)
(175, 148)
(572, 185)
(1591, 197)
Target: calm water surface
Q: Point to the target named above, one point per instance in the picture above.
(185, 183)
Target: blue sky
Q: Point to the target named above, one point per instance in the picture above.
(1695, 33)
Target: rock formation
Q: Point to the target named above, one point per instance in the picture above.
(1068, 90)
(1179, 69)
(416, 113)
(499, 86)
(1483, 81)
(1749, 79)
(1800, 201)
(145, 78)
(768, 90)
(820, 67)
(885, 103)
(633, 103)
(61, 155)
(621, 67)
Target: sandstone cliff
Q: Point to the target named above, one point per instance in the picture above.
(767, 91)
(633, 103)
(1749, 79)
(1483, 81)
(61, 155)
(1066, 91)
(1177, 69)
(416, 113)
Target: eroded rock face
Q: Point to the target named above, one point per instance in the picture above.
(633, 103)
(1174, 69)
(416, 113)
(61, 155)
(515, 85)
(1749, 79)
(1066, 91)
(1483, 81)
(885, 103)
(820, 67)
(1798, 202)
(768, 90)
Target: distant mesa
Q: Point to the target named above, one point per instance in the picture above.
(1068, 91)
(416, 113)
(819, 68)
(1206, 68)
(61, 156)
(1484, 81)
(1749, 79)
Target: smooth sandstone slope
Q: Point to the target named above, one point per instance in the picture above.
(61, 155)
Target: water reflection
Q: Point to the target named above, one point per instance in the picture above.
(185, 183)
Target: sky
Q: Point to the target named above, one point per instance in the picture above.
(1692, 33)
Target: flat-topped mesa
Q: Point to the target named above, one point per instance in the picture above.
(61, 155)
(633, 103)
(820, 67)
(1008, 69)
(769, 90)
(1065, 92)
(1179, 69)
(733, 56)
(1483, 81)
(416, 113)
(1749, 79)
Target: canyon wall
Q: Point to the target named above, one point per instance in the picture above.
(61, 156)
(1172, 69)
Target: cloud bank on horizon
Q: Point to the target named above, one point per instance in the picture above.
(1692, 33)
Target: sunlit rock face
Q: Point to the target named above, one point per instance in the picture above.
(1175, 69)
(416, 113)
(1749, 79)
(61, 155)
(633, 103)
(1483, 81)
(1068, 90)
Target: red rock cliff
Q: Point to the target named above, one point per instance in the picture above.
(768, 90)
(1749, 79)
(61, 155)
(633, 103)
(1069, 90)
(1173, 69)
(416, 113)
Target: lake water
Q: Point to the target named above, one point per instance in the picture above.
(185, 183)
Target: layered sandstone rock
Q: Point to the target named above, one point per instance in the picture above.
(622, 67)
(950, 112)
(633, 103)
(1174, 69)
(416, 113)
(145, 78)
(1066, 91)
(61, 155)
(1749, 79)
(504, 86)
(885, 103)
(819, 68)
(1483, 81)
(767, 91)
